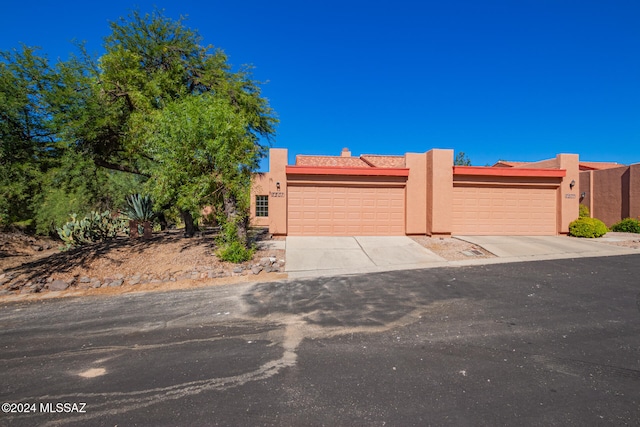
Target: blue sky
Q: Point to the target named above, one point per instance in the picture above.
(516, 80)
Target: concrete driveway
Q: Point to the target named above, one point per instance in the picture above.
(323, 256)
(545, 247)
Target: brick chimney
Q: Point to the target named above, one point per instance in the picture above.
(345, 152)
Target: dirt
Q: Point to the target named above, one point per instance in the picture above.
(166, 261)
(453, 249)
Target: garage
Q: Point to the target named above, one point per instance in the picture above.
(345, 210)
(504, 210)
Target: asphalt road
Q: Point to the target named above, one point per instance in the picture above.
(538, 343)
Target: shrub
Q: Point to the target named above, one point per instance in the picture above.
(583, 211)
(627, 225)
(139, 208)
(235, 252)
(587, 227)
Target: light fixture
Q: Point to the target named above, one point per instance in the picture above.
(583, 195)
(572, 184)
(278, 185)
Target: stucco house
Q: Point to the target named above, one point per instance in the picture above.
(413, 194)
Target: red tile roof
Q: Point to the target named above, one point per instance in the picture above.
(586, 166)
(506, 164)
(384, 161)
(302, 160)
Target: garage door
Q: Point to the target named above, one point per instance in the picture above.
(504, 211)
(345, 211)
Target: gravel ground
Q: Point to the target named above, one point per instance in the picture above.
(452, 249)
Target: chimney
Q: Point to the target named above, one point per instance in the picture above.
(345, 152)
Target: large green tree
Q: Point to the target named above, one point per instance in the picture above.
(160, 104)
(27, 139)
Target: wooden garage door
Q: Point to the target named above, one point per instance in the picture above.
(504, 211)
(345, 211)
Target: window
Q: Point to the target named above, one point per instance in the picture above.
(262, 205)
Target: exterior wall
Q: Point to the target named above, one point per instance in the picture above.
(439, 192)
(428, 185)
(613, 194)
(278, 196)
(586, 188)
(568, 196)
(259, 187)
(416, 194)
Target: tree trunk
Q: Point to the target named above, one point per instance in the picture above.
(133, 229)
(234, 217)
(189, 227)
(163, 221)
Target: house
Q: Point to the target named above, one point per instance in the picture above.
(413, 194)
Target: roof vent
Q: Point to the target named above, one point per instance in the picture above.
(345, 152)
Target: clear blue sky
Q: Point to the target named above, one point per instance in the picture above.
(497, 79)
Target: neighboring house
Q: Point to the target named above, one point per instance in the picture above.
(413, 194)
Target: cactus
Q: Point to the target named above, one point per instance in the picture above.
(92, 228)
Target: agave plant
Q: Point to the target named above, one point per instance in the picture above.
(139, 208)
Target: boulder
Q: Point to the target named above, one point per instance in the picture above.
(58, 285)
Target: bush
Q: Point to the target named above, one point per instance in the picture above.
(587, 227)
(235, 252)
(583, 211)
(627, 225)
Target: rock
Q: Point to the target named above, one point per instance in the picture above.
(116, 283)
(256, 269)
(135, 279)
(3, 280)
(273, 259)
(37, 248)
(118, 276)
(275, 269)
(211, 274)
(5, 292)
(95, 283)
(265, 261)
(85, 279)
(237, 269)
(58, 285)
(268, 269)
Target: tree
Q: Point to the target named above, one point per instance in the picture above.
(159, 104)
(462, 159)
(27, 143)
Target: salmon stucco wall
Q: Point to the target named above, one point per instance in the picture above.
(416, 194)
(259, 187)
(586, 189)
(568, 194)
(439, 192)
(614, 194)
(278, 158)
